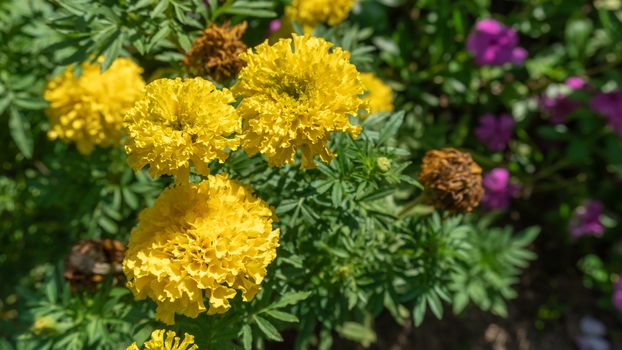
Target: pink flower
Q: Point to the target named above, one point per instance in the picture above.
(586, 220)
(609, 104)
(275, 25)
(498, 189)
(492, 43)
(495, 132)
(559, 107)
(617, 294)
(575, 83)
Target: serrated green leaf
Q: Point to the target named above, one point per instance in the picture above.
(247, 337)
(358, 332)
(290, 299)
(281, 316)
(20, 132)
(390, 128)
(267, 328)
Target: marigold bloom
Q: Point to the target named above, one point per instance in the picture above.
(179, 122)
(88, 110)
(379, 95)
(91, 260)
(216, 52)
(211, 239)
(452, 179)
(159, 341)
(310, 12)
(295, 93)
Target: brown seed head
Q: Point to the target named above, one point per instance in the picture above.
(90, 260)
(452, 179)
(216, 53)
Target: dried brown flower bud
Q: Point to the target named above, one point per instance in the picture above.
(90, 260)
(452, 180)
(216, 53)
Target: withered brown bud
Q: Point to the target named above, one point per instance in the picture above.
(216, 53)
(91, 260)
(453, 181)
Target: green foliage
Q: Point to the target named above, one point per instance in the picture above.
(355, 240)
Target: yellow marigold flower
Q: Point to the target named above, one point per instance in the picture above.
(179, 122)
(379, 96)
(310, 12)
(295, 94)
(159, 341)
(211, 239)
(88, 110)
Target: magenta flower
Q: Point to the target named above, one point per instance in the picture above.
(494, 44)
(559, 107)
(275, 25)
(586, 220)
(617, 294)
(609, 104)
(498, 189)
(575, 83)
(495, 132)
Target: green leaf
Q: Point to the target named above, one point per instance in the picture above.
(157, 37)
(112, 52)
(419, 312)
(290, 299)
(267, 328)
(20, 132)
(358, 332)
(130, 198)
(30, 103)
(160, 8)
(247, 337)
(435, 304)
(281, 316)
(107, 224)
(391, 127)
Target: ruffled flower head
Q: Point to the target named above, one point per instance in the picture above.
(170, 341)
(310, 12)
(88, 109)
(452, 180)
(181, 122)
(211, 239)
(295, 93)
(216, 52)
(379, 95)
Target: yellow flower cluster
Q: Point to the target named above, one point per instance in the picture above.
(208, 239)
(88, 110)
(310, 12)
(179, 122)
(295, 93)
(159, 341)
(379, 96)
